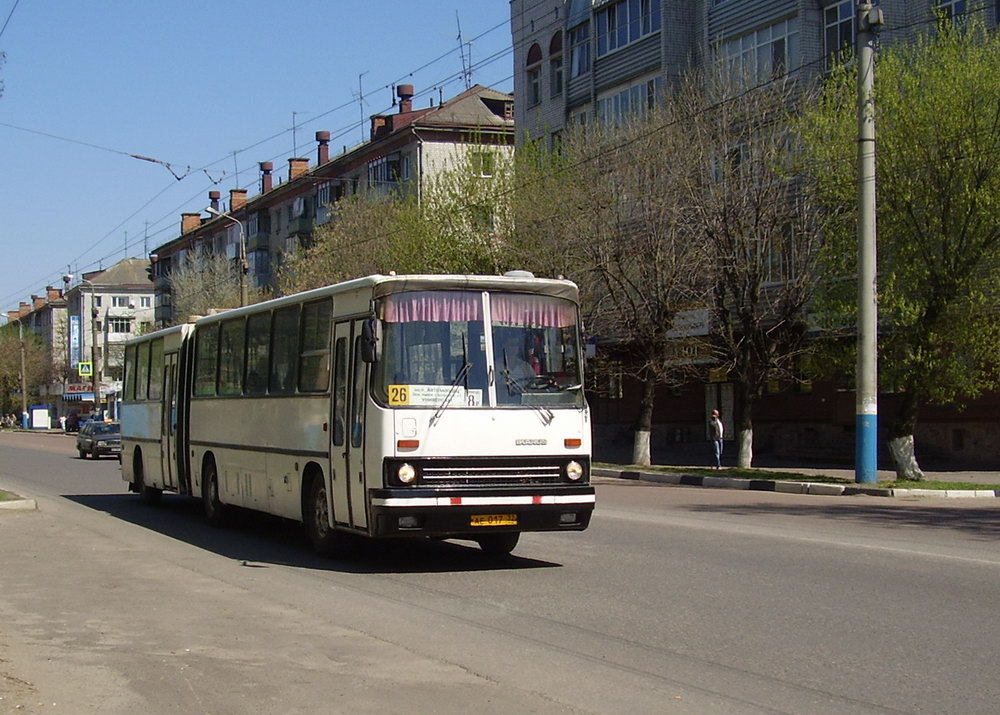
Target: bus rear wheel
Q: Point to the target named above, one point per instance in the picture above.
(496, 545)
(317, 518)
(215, 510)
(147, 494)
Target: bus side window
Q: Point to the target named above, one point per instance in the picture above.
(206, 362)
(142, 371)
(340, 391)
(258, 340)
(156, 369)
(284, 350)
(231, 356)
(130, 372)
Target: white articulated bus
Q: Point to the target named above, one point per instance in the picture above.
(445, 406)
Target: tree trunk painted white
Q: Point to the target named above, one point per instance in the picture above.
(640, 449)
(904, 458)
(745, 458)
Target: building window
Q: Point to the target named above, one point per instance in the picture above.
(633, 101)
(534, 75)
(119, 301)
(579, 50)
(383, 173)
(96, 299)
(624, 22)
(483, 163)
(145, 302)
(259, 262)
(838, 38)
(119, 325)
(764, 54)
(950, 9)
(555, 65)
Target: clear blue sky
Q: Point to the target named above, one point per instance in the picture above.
(190, 83)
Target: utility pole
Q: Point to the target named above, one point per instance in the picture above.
(24, 377)
(869, 19)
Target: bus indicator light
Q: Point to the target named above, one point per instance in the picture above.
(407, 443)
(572, 442)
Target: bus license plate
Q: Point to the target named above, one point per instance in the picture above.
(493, 520)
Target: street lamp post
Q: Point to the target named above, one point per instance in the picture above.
(244, 268)
(94, 384)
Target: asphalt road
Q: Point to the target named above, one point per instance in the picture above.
(676, 599)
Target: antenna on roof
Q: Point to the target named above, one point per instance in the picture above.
(361, 104)
(466, 66)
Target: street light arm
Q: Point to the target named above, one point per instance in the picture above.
(244, 266)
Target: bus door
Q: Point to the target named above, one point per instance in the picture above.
(168, 422)
(338, 487)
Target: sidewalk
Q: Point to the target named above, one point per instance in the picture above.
(989, 481)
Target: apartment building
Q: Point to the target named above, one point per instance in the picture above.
(583, 61)
(578, 61)
(404, 149)
(89, 321)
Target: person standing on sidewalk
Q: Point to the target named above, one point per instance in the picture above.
(717, 432)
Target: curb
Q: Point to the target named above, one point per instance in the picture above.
(788, 487)
(19, 505)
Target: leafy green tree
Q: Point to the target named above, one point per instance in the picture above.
(37, 367)
(937, 105)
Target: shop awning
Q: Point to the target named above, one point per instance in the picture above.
(76, 396)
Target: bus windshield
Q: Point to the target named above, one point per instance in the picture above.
(448, 348)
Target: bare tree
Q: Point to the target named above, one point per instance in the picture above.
(763, 233)
(620, 228)
(207, 282)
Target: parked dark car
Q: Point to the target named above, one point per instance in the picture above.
(96, 438)
(74, 422)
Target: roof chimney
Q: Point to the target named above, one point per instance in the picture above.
(378, 126)
(297, 167)
(405, 94)
(189, 222)
(237, 198)
(13, 316)
(23, 309)
(266, 182)
(323, 153)
(53, 293)
(213, 197)
(37, 302)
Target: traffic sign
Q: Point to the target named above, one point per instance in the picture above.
(85, 369)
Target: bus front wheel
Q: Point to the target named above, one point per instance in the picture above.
(317, 517)
(498, 544)
(215, 510)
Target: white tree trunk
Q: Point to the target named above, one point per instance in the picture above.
(904, 458)
(745, 458)
(640, 449)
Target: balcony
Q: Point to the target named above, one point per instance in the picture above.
(302, 225)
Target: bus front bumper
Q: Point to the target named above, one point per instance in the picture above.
(423, 512)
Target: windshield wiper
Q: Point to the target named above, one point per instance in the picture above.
(511, 381)
(454, 383)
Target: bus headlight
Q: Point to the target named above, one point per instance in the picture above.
(406, 474)
(574, 471)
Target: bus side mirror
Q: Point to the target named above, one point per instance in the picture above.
(371, 334)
